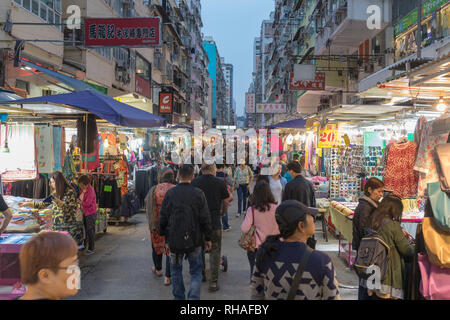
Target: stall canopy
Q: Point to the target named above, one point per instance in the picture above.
(101, 105)
(291, 124)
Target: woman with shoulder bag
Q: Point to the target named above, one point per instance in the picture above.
(386, 221)
(260, 214)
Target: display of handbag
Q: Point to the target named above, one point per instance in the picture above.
(248, 240)
(435, 282)
(440, 203)
(442, 159)
(437, 242)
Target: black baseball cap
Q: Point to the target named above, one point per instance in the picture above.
(293, 211)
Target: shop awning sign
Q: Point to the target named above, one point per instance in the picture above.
(271, 108)
(317, 84)
(165, 102)
(329, 136)
(130, 32)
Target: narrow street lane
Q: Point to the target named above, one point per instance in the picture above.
(121, 266)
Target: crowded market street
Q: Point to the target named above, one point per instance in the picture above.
(121, 267)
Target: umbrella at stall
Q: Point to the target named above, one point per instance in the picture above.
(101, 105)
(291, 124)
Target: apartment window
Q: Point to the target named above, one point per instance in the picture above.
(143, 68)
(47, 10)
(20, 84)
(104, 52)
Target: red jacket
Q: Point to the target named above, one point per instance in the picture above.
(89, 203)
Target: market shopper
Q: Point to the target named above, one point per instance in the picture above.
(301, 190)
(184, 219)
(64, 207)
(7, 213)
(88, 201)
(385, 221)
(217, 196)
(373, 191)
(277, 185)
(243, 179)
(221, 174)
(49, 267)
(153, 203)
(280, 255)
(261, 214)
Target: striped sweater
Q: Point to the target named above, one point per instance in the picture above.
(272, 280)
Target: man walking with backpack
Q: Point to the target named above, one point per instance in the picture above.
(183, 221)
(217, 196)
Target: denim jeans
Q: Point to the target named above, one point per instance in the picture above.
(214, 256)
(251, 259)
(195, 269)
(242, 197)
(225, 222)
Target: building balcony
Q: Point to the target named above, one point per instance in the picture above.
(345, 26)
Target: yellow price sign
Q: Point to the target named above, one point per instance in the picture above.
(328, 137)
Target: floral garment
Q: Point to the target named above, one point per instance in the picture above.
(425, 163)
(64, 217)
(400, 177)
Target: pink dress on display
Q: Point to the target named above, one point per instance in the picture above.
(400, 176)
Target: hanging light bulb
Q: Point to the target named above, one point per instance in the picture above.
(441, 106)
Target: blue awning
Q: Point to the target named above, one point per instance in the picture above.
(101, 105)
(291, 124)
(77, 85)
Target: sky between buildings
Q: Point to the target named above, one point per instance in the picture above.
(234, 24)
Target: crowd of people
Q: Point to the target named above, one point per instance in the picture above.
(187, 211)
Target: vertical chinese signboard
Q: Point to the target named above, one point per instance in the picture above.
(165, 102)
(130, 32)
(250, 102)
(329, 136)
(317, 84)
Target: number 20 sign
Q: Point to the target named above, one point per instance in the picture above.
(328, 137)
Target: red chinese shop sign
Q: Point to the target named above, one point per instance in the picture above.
(131, 32)
(165, 102)
(317, 84)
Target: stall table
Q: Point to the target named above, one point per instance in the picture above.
(342, 218)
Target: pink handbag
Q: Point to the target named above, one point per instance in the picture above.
(435, 283)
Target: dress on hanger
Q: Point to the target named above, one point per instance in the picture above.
(400, 177)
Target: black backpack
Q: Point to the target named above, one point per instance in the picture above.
(183, 233)
(373, 250)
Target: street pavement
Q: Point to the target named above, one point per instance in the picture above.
(120, 269)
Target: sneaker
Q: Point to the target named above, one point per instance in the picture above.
(227, 229)
(238, 215)
(89, 252)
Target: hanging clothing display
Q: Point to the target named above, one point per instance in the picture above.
(20, 162)
(44, 148)
(121, 171)
(57, 146)
(110, 196)
(92, 134)
(93, 159)
(400, 176)
(425, 163)
(69, 170)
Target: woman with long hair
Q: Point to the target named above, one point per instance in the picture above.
(279, 257)
(261, 214)
(64, 205)
(386, 222)
(153, 205)
(373, 191)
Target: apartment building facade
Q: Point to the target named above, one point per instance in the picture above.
(132, 75)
